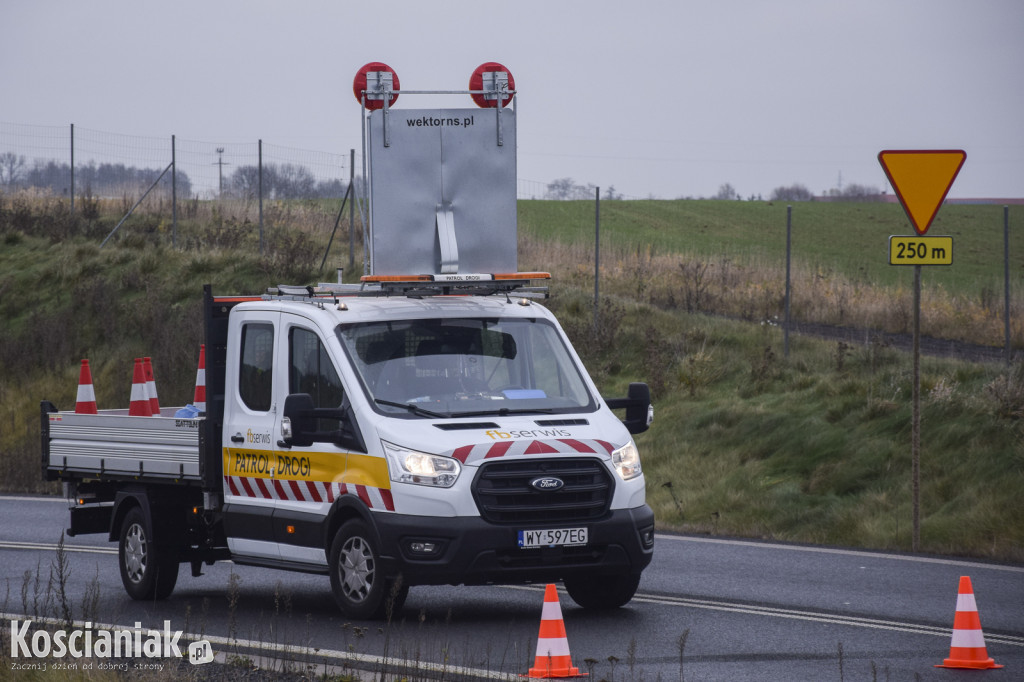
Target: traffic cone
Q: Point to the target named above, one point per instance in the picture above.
(154, 404)
(200, 397)
(967, 650)
(552, 658)
(139, 405)
(86, 403)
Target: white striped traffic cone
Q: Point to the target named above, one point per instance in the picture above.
(86, 402)
(967, 650)
(154, 403)
(139, 405)
(200, 396)
(552, 659)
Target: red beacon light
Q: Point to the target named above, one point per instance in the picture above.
(376, 82)
(492, 78)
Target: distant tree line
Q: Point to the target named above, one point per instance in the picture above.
(281, 181)
(852, 192)
(566, 189)
(105, 179)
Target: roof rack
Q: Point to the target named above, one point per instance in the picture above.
(419, 286)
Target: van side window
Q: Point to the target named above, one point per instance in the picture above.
(311, 371)
(256, 372)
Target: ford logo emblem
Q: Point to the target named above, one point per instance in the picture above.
(547, 483)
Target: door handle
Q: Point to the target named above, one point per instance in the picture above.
(238, 438)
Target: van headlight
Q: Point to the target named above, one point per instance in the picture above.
(626, 461)
(411, 466)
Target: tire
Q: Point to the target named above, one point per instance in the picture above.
(148, 570)
(358, 584)
(602, 592)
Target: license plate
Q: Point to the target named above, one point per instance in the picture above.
(552, 537)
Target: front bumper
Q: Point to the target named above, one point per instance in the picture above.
(471, 551)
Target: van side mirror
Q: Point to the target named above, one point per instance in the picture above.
(301, 426)
(637, 403)
(298, 410)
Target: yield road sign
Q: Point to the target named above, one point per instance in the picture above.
(921, 180)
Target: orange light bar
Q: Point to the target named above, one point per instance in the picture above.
(523, 275)
(396, 278)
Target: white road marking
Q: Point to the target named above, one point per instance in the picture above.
(49, 546)
(845, 552)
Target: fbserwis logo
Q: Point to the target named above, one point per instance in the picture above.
(89, 642)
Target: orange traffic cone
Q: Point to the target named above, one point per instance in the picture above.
(154, 404)
(552, 658)
(967, 650)
(86, 403)
(200, 397)
(139, 405)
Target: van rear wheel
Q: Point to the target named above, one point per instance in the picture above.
(148, 569)
(357, 581)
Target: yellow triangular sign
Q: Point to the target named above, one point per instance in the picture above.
(921, 179)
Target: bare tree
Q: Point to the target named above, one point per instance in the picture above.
(565, 189)
(726, 191)
(855, 192)
(12, 167)
(561, 189)
(794, 192)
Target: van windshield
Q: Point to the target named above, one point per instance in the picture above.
(465, 367)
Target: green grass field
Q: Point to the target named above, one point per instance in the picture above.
(850, 238)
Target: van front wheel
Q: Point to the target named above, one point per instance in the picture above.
(602, 591)
(359, 585)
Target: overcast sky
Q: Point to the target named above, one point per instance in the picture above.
(666, 99)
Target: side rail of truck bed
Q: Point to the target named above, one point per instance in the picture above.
(112, 445)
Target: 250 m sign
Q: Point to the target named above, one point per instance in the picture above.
(920, 250)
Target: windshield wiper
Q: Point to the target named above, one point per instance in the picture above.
(504, 412)
(412, 407)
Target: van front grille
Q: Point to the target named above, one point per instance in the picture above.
(504, 494)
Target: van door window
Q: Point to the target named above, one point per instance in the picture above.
(311, 371)
(256, 372)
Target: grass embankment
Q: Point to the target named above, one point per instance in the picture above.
(817, 447)
(812, 448)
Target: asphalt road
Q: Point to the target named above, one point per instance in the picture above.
(707, 609)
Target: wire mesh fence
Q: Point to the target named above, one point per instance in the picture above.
(665, 252)
(253, 187)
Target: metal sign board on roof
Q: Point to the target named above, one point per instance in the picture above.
(921, 180)
(442, 191)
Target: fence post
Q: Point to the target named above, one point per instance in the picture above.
(789, 242)
(351, 208)
(259, 174)
(174, 194)
(72, 168)
(1006, 281)
(597, 255)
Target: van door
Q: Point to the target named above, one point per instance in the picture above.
(250, 408)
(307, 478)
